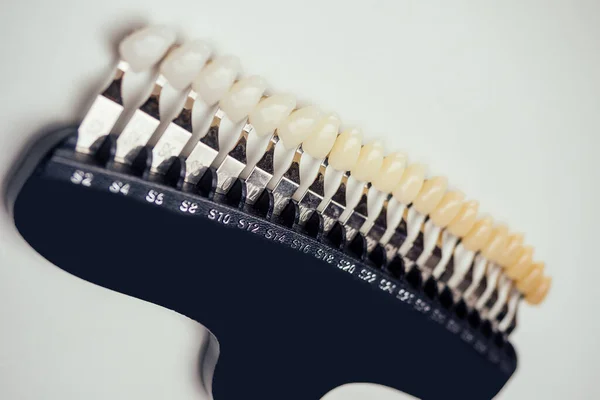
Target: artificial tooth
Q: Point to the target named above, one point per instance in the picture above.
(496, 246)
(298, 126)
(465, 219)
(540, 291)
(369, 162)
(533, 278)
(243, 96)
(478, 235)
(410, 184)
(514, 243)
(447, 209)
(216, 78)
(522, 265)
(270, 112)
(318, 144)
(144, 48)
(346, 150)
(430, 194)
(390, 173)
(184, 63)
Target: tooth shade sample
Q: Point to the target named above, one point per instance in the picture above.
(430, 195)
(270, 112)
(523, 265)
(410, 184)
(369, 162)
(464, 221)
(447, 209)
(146, 47)
(184, 63)
(496, 246)
(532, 279)
(298, 126)
(319, 143)
(243, 96)
(539, 293)
(390, 173)
(479, 235)
(216, 78)
(514, 243)
(346, 150)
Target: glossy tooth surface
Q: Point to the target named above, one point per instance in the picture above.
(270, 112)
(410, 184)
(465, 219)
(530, 281)
(346, 150)
(243, 96)
(319, 143)
(298, 126)
(447, 209)
(479, 235)
(216, 78)
(390, 173)
(144, 48)
(184, 63)
(522, 265)
(514, 243)
(539, 293)
(496, 246)
(431, 194)
(369, 162)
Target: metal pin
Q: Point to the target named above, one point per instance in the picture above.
(259, 175)
(511, 315)
(310, 200)
(233, 163)
(285, 188)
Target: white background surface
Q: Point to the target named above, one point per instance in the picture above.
(503, 97)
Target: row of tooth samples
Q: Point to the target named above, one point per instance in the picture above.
(199, 107)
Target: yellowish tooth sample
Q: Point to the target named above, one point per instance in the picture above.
(243, 96)
(319, 143)
(390, 173)
(410, 184)
(464, 221)
(346, 150)
(431, 194)
(479, 235)
(216, 78)
(369, 162)
(298, 125)
(447, 209)
(540, 292)
(530, 281)
(496, 246)
(514, 243)
(270, 112)
(522, 265)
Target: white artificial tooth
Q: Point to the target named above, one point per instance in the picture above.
(369, 162)
(298, 126)
(270, 112)
(144, 48)
(410, 184)
(346, 150)
(216, 78)
(183, 64)
(319, 143)
(391, 171)
(430, 195)
(243, 97)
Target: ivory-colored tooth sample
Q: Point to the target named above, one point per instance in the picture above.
(496, 246)
(430, 195)
(539, 293)
(298, 125)
(144, 48)
(319, 143)
(369, 162)
(270, 112)
(529, 282)
(465, 219)
(523, 265)
(346, 150)
(410, 184)
(478, 235)
(216, 78)
(243, 96)
(184, 63)
(390, 173)
(514, 243)
(447, 209)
